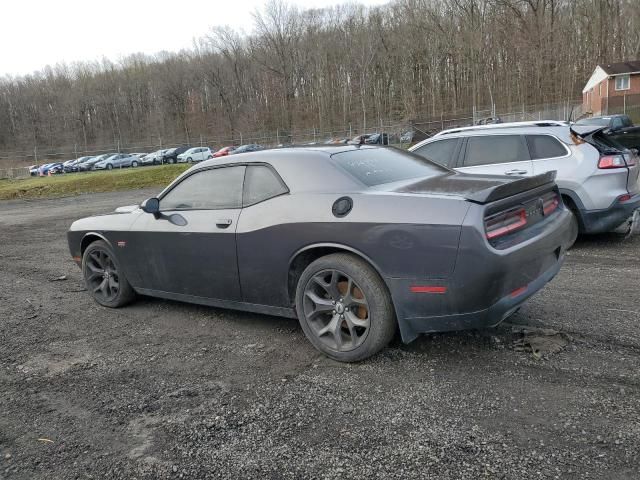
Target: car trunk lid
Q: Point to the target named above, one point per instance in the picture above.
(608, 148)
(478, 188)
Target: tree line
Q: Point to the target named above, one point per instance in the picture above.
(325, 68)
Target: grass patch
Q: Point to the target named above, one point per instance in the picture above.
(90, 182)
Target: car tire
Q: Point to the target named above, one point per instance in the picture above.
(134, 164)
(109, 166)
(209, 157)
(103, 276)
(189, 160)
(344, 308)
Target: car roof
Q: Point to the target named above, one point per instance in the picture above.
(503, 126)
(299, 166)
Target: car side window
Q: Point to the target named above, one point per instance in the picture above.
(440, 151)
(215, 189)
(261, 183)
(617, 122)
(545, 146)
(491, 149)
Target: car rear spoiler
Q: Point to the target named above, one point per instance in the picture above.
(509, 189)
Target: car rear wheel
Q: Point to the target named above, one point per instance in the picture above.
(344, 308)
(103, 276)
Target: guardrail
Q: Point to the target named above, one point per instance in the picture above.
(18, 172)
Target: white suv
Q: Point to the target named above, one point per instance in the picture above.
(196, 154)
(598, 179)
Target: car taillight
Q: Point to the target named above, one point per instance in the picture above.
(505, 222)
(612, 161)
(550, 203)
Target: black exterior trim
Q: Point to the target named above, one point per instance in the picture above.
(214, 302)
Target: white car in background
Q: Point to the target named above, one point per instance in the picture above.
(599, 180)
(118, 160)
(153, 158)
(196, 154)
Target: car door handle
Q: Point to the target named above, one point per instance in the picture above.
(223, 223)
(515, 172)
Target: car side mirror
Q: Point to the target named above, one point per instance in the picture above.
(151, 205)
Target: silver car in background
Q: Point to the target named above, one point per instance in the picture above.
(598, 179)
(118, 160)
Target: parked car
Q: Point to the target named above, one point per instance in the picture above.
(171, 155)
(371, 139)
(118, 160)
(620, 129)
(489, 121)
(598, 179)
(413, 136)
(251, 147)
(373, 239)
(73, 165)
(224, 151)
(195, 154)
(153, 158)
(89, 164)
(54, 168)
(33, 170)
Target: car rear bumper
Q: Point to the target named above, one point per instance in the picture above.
(489, 317)
(608, 219)
(487, 284)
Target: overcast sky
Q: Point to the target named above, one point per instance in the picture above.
(35, 33)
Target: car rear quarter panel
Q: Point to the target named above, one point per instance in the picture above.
(403, 236)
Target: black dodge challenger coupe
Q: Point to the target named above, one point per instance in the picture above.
(354, 241)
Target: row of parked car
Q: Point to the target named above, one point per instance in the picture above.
(109, 161)
(185, 154)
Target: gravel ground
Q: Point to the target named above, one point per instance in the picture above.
(168, 390)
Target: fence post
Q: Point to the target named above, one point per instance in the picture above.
(35, 155)
(624, 103)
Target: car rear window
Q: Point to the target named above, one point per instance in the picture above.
(376, 166)
(545, 146)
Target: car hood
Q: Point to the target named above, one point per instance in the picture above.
(476, 188)
(127, 209)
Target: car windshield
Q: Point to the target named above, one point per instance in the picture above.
(376, 166)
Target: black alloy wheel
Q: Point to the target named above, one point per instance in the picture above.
(103, 278)
(344, 307)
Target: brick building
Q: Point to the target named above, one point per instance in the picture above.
(613, 88)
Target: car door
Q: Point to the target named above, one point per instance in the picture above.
(262, 240)
(496, 154)
(190, 249)
(442, 151)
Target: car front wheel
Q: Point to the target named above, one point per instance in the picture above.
(109, 167)
(103, 276)
(134, 164)
(344, 308)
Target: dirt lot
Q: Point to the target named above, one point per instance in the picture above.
(168, 390)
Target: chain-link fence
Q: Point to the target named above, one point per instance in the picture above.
(399, 132)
